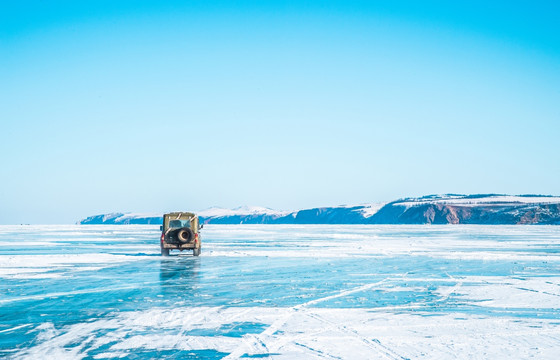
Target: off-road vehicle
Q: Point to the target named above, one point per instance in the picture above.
(180, 230)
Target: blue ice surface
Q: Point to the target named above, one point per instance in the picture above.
(268, 278)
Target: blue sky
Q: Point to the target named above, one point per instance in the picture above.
(284, 104)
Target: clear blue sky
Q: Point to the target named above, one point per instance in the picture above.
(148, 107)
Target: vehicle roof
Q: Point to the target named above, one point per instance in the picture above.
(184, 213)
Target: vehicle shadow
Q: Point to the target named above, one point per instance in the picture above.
(179, 275)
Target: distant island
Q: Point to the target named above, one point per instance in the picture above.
(490, 209)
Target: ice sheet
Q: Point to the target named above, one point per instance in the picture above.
(281, 292)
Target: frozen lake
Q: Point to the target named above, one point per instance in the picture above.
(282, 292)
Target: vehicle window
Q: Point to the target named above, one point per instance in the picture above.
(174, 224)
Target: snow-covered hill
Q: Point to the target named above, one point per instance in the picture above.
(123, 219)
(477, 200)
(472, 209)
(432, 209)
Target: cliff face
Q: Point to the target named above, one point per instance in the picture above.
(445, 209)
(329, 215)
(423, 214)
(499, 214)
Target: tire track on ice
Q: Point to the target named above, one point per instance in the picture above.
(373, 344)
(318, 352)
(265, 339)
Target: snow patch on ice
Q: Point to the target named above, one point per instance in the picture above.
(308, 332)
(46, 266)
(536, 293)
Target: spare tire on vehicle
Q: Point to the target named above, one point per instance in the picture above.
(185, 235)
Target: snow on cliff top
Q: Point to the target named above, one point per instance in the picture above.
(129, 216)
(466, 200)
(239, 211)
(371, 209)
(211, 212)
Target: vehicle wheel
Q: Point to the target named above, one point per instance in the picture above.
(185, 235)
(196, 252)
(164, 252)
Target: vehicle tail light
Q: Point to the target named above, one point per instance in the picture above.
(162, 237)
(196, 238)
